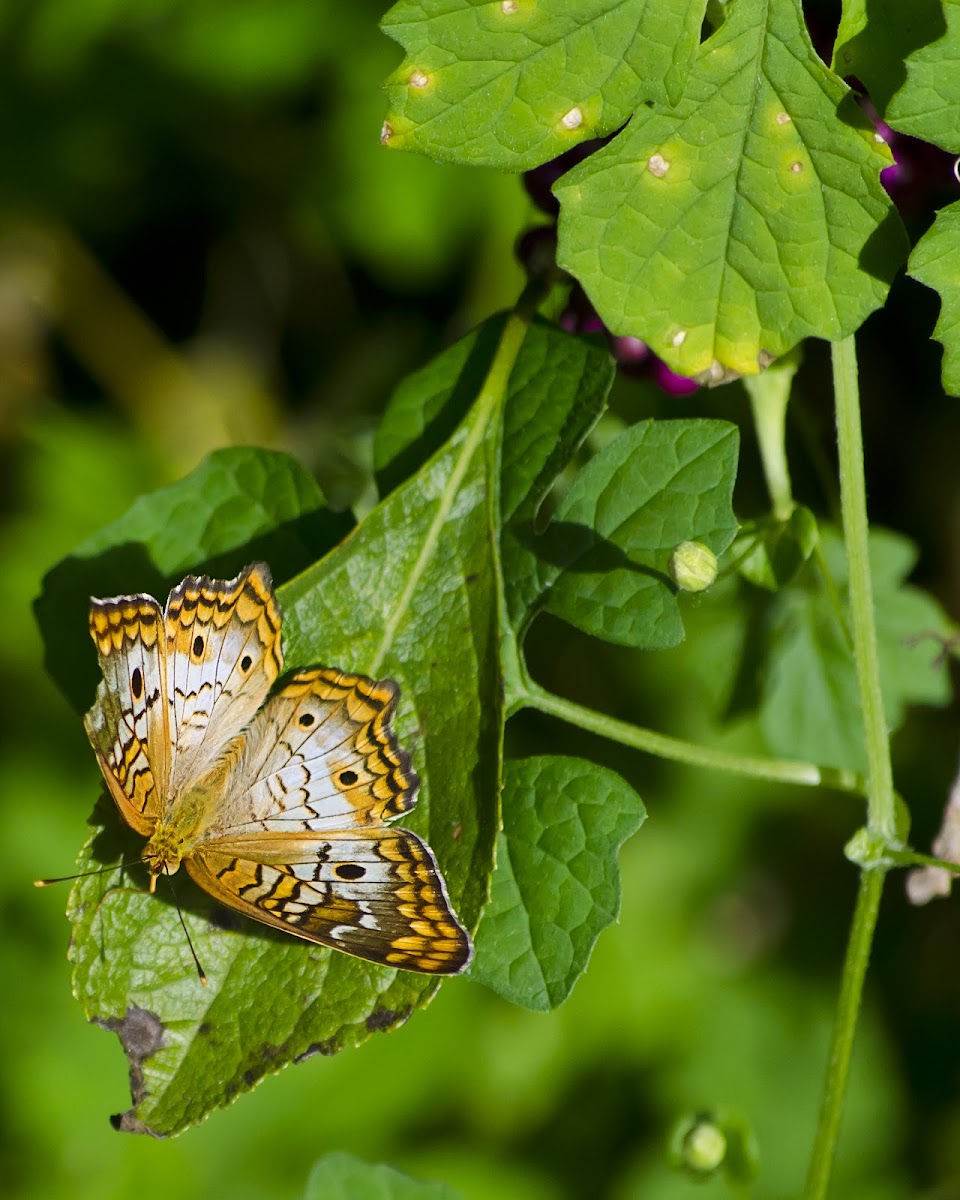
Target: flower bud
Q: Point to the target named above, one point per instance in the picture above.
(693, 566)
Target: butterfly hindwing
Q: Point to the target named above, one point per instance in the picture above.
(223, 655)
(321, 755)
(376, 894)
(127, 725)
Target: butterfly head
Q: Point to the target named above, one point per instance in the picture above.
(163, 854)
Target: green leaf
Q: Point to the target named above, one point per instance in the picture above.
(810, 703)
(605, 557)
(556, 885)
(557, 392)
(238, 505)
(411, 594)
(775, 551)
(484, 83)
(748, 217)
(908, 56)
(343, 1177)
(935, 261)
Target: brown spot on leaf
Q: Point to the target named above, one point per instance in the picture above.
(128, 1123)
(141, 1034)
(386, 1018)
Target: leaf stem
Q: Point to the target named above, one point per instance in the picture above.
(771, 769)
(911, 858)
(881, 810)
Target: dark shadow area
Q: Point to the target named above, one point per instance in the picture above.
(61, 608)
(453, 410)
(895, 29)
(578, 549)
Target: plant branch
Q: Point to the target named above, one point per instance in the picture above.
(844, 1031)
(881, 810)
(771, 769)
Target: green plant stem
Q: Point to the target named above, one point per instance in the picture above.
(844, 1030)
(771, 769)
(881, 811)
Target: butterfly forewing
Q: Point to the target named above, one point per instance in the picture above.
(376, 894)
(320, 755)
(223, 655)
(127, 725)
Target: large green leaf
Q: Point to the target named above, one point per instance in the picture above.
(908, 56)
(557, 884)
(935, 261)
(605, 557)
(411, 595)
(723, 231)
(343, 1177)
(512, 85)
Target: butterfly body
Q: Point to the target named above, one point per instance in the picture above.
(277, 804)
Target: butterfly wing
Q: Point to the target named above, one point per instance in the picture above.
(127, 725)
(300, 840)
(222, 657)
(320, 755)
(376, 894)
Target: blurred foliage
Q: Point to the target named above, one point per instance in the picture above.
(202, 244)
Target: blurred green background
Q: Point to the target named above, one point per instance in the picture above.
(202, 243)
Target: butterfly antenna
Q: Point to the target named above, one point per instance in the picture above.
(83, 874)
(201, 974)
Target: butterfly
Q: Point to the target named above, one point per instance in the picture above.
(277, 803)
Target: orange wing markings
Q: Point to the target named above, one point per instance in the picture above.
(127, 723)
(321, 755)
(376, 894)
(372, 762)
(249, 598)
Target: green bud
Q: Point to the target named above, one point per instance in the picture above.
(705, 1148)
(698, 1144)
(693, 566)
